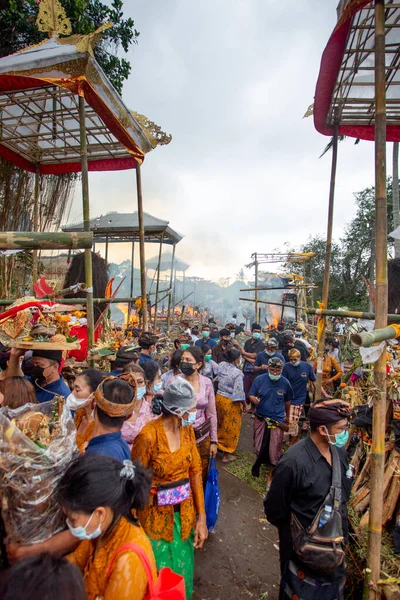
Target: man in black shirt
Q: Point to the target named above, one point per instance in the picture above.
(289, 342)
(218, 352)
(251, 348)
(300, 484)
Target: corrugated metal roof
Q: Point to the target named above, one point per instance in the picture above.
(124, 227)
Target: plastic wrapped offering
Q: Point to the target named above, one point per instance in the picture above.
(37, 444)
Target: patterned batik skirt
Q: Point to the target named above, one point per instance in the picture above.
(229, 423)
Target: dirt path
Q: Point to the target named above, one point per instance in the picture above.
(240, 559)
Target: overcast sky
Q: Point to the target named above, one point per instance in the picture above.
(231, 81)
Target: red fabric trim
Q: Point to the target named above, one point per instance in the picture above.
(118, 164)
(14, 83)
(328, 73)
(16, 159)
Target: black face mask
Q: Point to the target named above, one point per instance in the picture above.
(187, 368)
(34, 372)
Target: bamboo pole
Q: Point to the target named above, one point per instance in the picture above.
(171, 288)
(141, 247)
(158, 279)
(256, 287)
(35, 223)
(353, 314)
(132, 280)
(328, 252)
(86, 227)
(54, 240)
(379, 414)
(311, 283)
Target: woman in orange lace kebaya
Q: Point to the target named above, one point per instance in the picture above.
(175, 519)
(79, 400)
(99, 495)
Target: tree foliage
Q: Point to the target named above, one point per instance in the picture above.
(18, 30)
(351, 254)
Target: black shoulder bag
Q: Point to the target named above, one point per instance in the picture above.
(321, 548)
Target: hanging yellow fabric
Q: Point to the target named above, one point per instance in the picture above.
(321, 320)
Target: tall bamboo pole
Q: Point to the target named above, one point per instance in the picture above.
(311, 283)
(36, 223)
(86, 226)
(132, 280)
(171, 291)
(106, 253)
(141, 247)
(158, 279)
(256, 287)
(328, 251)
(379, 414)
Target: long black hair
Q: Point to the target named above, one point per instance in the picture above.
(93, 480)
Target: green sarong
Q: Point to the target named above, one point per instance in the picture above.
(178, 555)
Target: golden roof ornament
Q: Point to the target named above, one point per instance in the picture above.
(309, 111)
(53, 19)
(154, 133)
(88, 42)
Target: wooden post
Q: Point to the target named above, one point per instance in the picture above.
(141, 248)
(49, 240)
(132, 280)
(171, 284)
(256, 288)
(379, 415)
(158, 280)
(86, 227)
(328, 252)
(311, 283)
(35, 224)
(106, 252)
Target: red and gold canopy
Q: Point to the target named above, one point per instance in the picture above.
(39, 116)
(346, 77)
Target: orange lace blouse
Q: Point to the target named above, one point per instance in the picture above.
(82, 440)
(152, 449)
(127, 580)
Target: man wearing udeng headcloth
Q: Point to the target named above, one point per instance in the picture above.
(302, 499)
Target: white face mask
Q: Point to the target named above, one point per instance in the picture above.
(140, 392)
(81, 533)
(74, 403)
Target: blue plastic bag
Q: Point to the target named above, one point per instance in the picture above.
(212, 495)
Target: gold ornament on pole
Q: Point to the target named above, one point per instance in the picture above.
(52, 19)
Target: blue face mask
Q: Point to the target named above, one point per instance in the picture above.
(296, 364)
(341, 438)
(232, 335)
(80, 532)
(191, 420)
(207, 357)
(274, 377)
(157, 387)
(256, 336)
(270, 353)
(205, 334)
(140, 392)
(185, 346)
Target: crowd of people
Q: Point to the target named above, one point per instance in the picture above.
(145, 433)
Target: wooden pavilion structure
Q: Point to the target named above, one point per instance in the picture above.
(115, 227)
(59, 114)
(358, 95)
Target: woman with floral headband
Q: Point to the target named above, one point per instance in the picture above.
(174, 519)
(101, 516)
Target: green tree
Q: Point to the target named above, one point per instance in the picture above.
(18, 30)
(352, 256)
